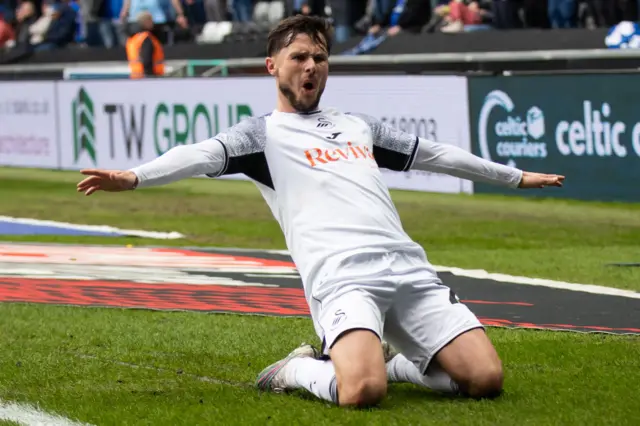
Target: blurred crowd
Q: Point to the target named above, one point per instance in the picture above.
(53, 24)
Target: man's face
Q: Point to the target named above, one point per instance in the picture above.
(25, 10)
(147, 23)
(301, 71)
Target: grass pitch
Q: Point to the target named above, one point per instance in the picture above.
(114, 366)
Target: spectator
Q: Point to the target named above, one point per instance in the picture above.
(242, 10)
(406, 15)
(387, 17)
(26, 15)
(505, 14)
(215, 10)
(462, 14)
(309, 7)
(6, 32)
(381, 8)
(452, 16)
(165, 17)
(301, 7)
(439, 11)
(144, 50)
(344, 16)
(61, 29)
(39, 28)
(99, 21)
(562, 13)
(80, 32)
(363, 24)
(45, 24)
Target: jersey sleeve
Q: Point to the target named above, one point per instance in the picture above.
(400, 151)
(243, 146)
(232, 151)
(392, 148)
(454, 161)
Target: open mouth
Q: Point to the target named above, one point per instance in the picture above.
(308, 86)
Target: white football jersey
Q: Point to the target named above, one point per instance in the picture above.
(320, 175)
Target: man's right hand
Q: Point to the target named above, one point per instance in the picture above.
(107, 180)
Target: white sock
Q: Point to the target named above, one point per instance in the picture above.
(316, 376)
(400, 369)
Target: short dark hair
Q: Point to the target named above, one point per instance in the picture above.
(317, 28)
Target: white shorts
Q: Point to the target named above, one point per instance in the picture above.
(399, 297)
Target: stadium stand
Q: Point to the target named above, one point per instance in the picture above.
(67, 31)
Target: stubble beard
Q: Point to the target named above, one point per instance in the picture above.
(298, 104)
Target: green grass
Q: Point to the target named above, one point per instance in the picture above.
(114, 366)
(82, 362)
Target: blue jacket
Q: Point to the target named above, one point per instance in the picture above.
(62, 30)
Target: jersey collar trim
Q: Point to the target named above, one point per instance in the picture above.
(318, 111)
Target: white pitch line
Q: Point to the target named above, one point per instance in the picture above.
(292, 276)
(97, 228)
(31, 416)
(585, 288)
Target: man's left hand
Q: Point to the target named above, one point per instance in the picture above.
(540, 180)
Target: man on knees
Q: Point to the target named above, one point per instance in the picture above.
(361, 366)
(318, 169)
(442, 344)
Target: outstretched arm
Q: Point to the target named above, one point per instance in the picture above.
(181, 162)
(226, 153)
(455, 161)
(401, 151)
